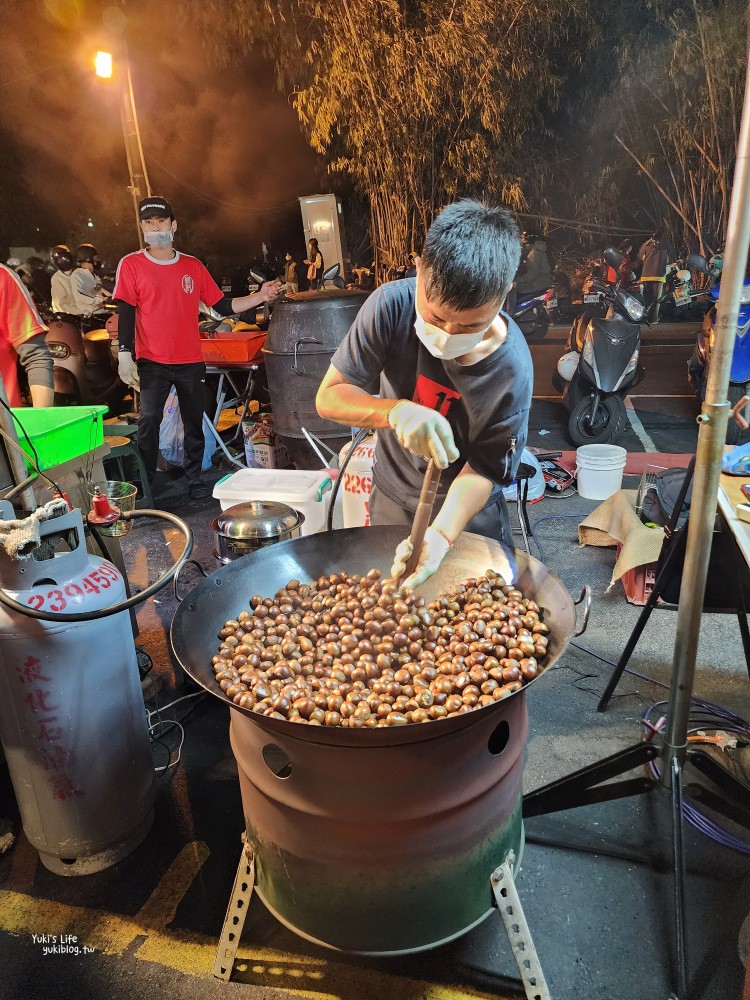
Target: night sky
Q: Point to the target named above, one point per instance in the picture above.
(222, 145)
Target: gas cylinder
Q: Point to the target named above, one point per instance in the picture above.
(72, 718)
(356, 485)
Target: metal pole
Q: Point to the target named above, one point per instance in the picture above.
(136, 130)
(132, 186)
(139, 183)
(711, 436)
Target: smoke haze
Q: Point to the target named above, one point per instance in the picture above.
(219, 144)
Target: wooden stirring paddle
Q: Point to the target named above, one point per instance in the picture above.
(422, 516)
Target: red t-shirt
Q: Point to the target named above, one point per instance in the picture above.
(166, 294)
(19, 322)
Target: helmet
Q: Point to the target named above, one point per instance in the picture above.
(566, 366)
(86, 252)
(683, 278)
(62, 258)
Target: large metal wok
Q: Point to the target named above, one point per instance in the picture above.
(221, 596)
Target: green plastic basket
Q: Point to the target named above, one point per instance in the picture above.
(59, 433)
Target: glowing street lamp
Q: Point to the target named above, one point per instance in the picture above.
(103, 65)
(139, 186)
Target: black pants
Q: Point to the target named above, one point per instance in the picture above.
(491, 522)
(156, 381)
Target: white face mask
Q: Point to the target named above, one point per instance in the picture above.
(158, 239)
(446, 345)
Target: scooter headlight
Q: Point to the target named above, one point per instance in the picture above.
(588, 352)
(59, 351)
(629, 368)
(632, 363)
(634, 308)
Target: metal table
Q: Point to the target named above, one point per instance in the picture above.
(235, 389)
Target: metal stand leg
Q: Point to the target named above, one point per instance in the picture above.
(246, 397)
(678, 854)
(745, 633)
(659, 585)
(584, 787)
(519, 936)
(522, 495)
(220, 442)
(234, 921)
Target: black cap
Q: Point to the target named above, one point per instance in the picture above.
(155, 206)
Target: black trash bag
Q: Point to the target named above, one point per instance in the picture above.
(660, 499)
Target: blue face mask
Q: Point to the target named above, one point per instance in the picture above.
(158, 240)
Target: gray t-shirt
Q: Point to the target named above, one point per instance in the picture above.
(487, 404)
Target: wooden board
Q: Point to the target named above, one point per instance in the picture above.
(732, 486)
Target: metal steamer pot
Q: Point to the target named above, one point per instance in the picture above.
(249, 526)
(377, 841)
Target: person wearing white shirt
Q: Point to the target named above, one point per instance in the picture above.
(85, 287)
(62, 293)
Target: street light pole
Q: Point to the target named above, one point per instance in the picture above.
(139, 186)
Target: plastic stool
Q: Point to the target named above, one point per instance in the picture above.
(120, 448)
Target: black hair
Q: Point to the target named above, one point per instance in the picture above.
(471, 254)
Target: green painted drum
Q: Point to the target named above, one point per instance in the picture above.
(389, 849)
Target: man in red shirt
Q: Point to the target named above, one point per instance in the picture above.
(158, 291)
(22, 336)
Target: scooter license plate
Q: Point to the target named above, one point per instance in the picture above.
(590, 298)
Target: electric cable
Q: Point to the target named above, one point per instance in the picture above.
(161, 743)
(170, 724)
(693, 815)
(35, 459)
(358, 438)
(541, 520)
(176, 761)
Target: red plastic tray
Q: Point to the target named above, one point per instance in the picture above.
(243, 348)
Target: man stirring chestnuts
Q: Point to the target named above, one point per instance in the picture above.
(454, 377)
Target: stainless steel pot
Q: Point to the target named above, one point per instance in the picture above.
(247, 527)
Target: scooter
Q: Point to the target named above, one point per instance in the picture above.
(530, 313)
(700, 361)
(600, 366)
(559, 305)
(680, 300)
(84, 365)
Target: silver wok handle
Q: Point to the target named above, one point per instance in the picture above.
(204, 574)
(304, 340)
(585, 597)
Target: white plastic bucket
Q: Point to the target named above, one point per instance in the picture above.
(599, 468)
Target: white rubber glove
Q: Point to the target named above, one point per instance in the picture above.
(434, 548)
(128, 370)
(424, 432)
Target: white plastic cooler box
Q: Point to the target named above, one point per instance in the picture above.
(309, 492)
